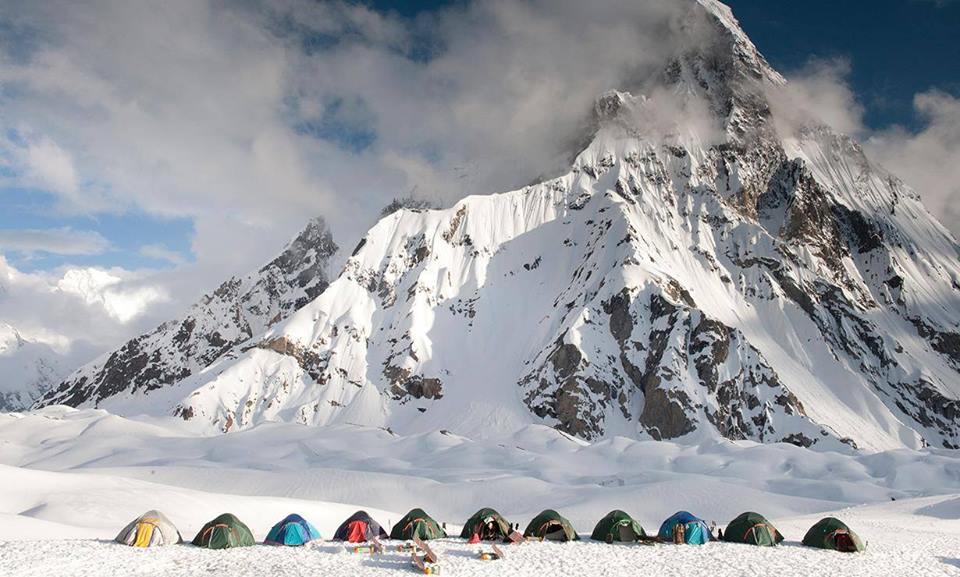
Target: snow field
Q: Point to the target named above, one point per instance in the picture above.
(71, 479)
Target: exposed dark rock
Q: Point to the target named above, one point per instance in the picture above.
(311, 363)
(566, 360)
(407, 203)
(798, 439)
(664, 412)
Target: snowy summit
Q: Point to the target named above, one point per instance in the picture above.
(701, 271)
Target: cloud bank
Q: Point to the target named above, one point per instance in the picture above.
(77, 310)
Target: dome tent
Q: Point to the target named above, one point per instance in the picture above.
(752, 528)
(224, 532)
(551, 526)
(359, 528)
(151, 529)
(617, 526)
(695, 530)
(417, 523)
(487, 524)
(832, 533)
(292, 530)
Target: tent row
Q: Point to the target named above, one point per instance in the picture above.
(226, 531)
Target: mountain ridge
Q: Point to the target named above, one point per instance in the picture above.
(699, 272)
(237, 310)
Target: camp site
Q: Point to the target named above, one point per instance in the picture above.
(131, 514)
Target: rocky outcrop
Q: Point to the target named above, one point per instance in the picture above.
(680, 366)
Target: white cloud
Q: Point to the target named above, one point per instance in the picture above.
(51, 167)
(199, 109)
(64, 241)
(217, 112)
(818, 92)
(81, 311)
(928, 159)
(161, 252)
(106, 289)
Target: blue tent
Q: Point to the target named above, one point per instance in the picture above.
(293, 530)
(696, 531)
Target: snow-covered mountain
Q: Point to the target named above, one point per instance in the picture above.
(700, 271)
(28, 369)
(238, 309)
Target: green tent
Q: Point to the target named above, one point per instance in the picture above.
(487, 524)
(550, 526)
(832, 533)
(417, 523)
(617, 526)
(753, 529)
(224, 532)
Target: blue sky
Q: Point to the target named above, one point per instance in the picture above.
(895, 49)
(126, 234)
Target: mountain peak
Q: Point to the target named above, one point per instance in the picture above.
(743, 49)
(240, 308)
(304, 259)
(27, 369)
(692, 276)
(10, 338)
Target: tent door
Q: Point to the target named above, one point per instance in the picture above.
(357, 532)
(554, 532)
(626, 533)
(144, 537)
(845, 543)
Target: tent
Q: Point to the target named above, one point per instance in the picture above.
(418, 523)
(224, 532)
(149, 530)
(359, 528)
(550, 526)
(293, 530)
(695, 530)
(832, 533)
(487, 525)
(617, 526)
(753, 529)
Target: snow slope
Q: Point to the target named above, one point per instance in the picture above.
(522, 472)
(27, 369)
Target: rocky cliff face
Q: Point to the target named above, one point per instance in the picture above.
(238, 309)
(717, 278)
